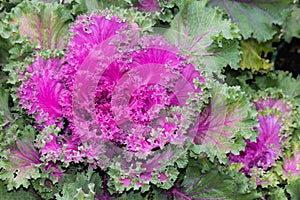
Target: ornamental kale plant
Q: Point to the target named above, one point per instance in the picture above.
(148, 99)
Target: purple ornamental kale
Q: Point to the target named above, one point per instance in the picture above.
(149, 5)
(156, 63)
(88, 32)
(291, 165)
(274, 103)
(40, 93)
(262, 153)
(125, 100)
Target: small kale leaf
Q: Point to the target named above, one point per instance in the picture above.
(254, 56)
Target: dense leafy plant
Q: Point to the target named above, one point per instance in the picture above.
(147, 99)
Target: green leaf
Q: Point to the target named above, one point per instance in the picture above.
(293, 189)
(16, 129)
(83, 6)
(203, 32)
(108, 3)
(130, 195)
(5, 115)
(254, 56)
(255, 18)
(45, 24)
(214, 185)
(159, 194)
(4, 47)
(277, 193)
(194, 169)
(282, 80)
(166, 16)
(84, 186)
(225, 124)
(227, 54)
(292, 28)
(16, 194)
(21, 165)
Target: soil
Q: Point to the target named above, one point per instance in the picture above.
(288, 57)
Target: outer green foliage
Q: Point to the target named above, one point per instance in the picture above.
(167, 161)
(16, 195)
(204, 33)
(81, 187)
(254, 56)
(293, 189)
(223, 127)
(277, 193)
(211, 37)
(4, 47)
(44, 24)
(21, 166)
(130, 195)
(292, 28)
(214, 185)
(227, 54)
(5, 115)
(255, 18)
(281, 80)
(82, 6)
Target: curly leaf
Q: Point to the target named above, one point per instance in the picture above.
(293, 189)
(227, 54)
(4, 47)
(204, 33)
(214, 185)
(130, 195)
(21, 165)
(82, 186)
(255, 18)
(5, 115)
(102, 4)
(17, 194)
(291, 28)
(44, 24)
(282, 80)
(222, 127)
(254, 56)
(277, 193)
(85, 6)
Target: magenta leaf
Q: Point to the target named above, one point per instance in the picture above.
(262, 153)
(40, 93)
